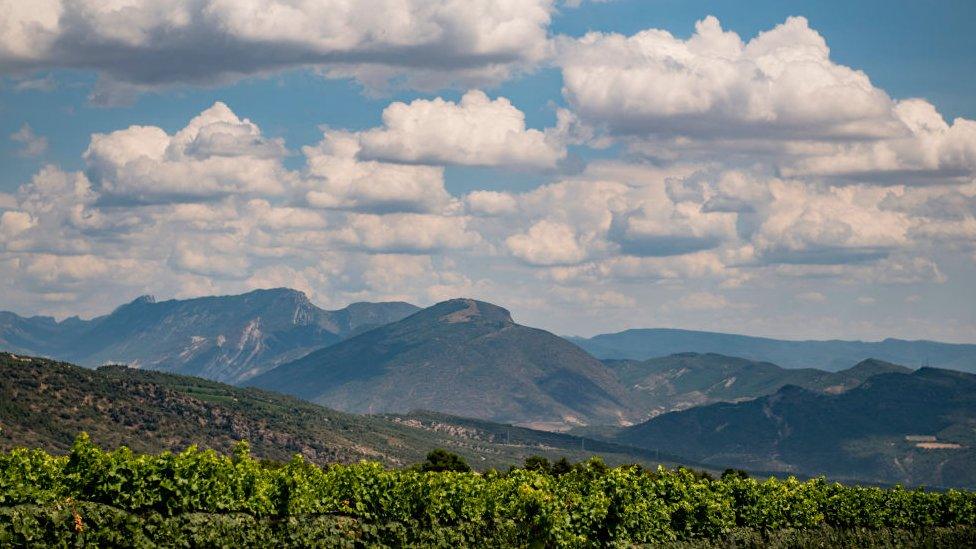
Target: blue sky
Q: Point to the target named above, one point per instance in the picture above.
(817, 204)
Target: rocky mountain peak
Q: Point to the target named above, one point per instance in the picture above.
(471, 310)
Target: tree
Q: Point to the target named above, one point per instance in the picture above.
(538, 463)
(561, 467)
(735, 473)
(441, 460)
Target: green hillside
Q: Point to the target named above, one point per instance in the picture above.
(45, 404)
(685, 380)
(461, 357)
(917, 428)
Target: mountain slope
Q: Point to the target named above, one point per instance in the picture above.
(462, 357)
(225, 338)
(680, 381)
(860, 433)
(642, 344)
(28, 334)
(45, 404)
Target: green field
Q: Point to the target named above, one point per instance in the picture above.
(200, 498)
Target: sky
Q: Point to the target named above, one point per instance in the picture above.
(803, 170)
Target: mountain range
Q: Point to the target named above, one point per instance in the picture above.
(224, 338)
(833, 355)
(917, 428)
(416, 372)
(685, 380)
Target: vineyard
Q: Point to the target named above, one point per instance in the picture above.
(93, 497)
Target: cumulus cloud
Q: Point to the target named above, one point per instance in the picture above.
(833, 225)
(407, 233)
(547, 243)
(212, 208)
(216, 154)
(340, 180)
(14, 223)
(139, 44)
(661, 228)
(477, 131)
(714, 84)
(490, 203)
(932, 151)
(31, 143)
(777, 99)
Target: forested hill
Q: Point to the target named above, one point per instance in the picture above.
(915, 428)
(461, 357)
(45, 404)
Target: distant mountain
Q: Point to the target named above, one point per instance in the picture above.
(831, 355)
(917, 428)
(684, 380)
(224, 338)
(461, 357)
(45, 404)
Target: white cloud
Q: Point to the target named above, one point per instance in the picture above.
(208, 258)
(896, 269)
(705, 301)
(811, 297)
(777, 99)
(31, 143)
(216, 154)
(477, 131)
(713, 84)
(339, 180)
(933, 150)
(700, 265)
(406, 233)
(212, 208)
(593, 298)
(139, 44)
(833, 225)
(490, 203)
(547, 243)
(14, 223)
(663, 228)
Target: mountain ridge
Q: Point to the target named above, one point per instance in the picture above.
(226, 338)
(485, 365)
(916, 428)
(833, 355)
(684, 380)
(45, 404)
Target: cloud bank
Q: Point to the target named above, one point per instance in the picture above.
(728, 169)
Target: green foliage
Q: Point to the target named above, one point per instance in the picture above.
(200, 498)
(441, 460)
(561, 467)
(538, 463)
(734, 473)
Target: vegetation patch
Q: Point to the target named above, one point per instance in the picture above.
(195, 498)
